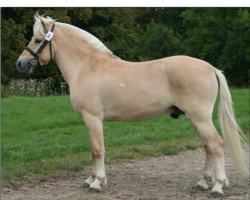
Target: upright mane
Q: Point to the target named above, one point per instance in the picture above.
(86, 36)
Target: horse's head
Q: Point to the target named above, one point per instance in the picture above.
(41, 48)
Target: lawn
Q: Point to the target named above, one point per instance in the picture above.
(42, 136)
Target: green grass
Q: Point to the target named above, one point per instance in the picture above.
(42, 136)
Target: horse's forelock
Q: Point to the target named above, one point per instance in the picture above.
(38, 28)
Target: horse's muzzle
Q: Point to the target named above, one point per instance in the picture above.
(24, 66)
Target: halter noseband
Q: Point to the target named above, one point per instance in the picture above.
(47, 39)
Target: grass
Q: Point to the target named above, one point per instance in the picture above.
(42, 136)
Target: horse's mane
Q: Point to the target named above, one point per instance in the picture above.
(87, 37)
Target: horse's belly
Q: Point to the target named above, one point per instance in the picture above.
(135, 117)
(136, 112)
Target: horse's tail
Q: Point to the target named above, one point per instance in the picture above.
(232, 134)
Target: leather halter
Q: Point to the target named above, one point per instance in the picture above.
(47, 40)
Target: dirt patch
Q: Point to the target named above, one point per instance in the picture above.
(165, 177)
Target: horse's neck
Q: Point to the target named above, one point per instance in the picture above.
(73, 56)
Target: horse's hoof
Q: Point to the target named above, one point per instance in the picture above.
(86, 185)
(226, 183)
(201, 185)
(215, 194)
(200, 188)
(94, 190)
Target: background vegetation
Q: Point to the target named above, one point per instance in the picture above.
(217, 35)
(43, 136)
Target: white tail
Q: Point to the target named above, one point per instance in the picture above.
(231, 131)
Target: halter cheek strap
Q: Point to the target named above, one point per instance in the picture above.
(48, 38)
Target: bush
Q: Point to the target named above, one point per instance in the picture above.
(33, 87)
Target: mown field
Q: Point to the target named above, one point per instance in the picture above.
(42, 136)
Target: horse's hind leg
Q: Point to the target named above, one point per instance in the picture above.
(213, 146)
(208, 177)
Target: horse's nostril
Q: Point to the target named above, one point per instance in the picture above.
(19, 64)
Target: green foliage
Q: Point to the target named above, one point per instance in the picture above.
(13, 41)
(170, 17)
(157, 41)
(80, 15)
(205, 32)
(235, 58)
(217, 35)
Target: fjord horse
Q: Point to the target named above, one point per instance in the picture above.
(105, 87)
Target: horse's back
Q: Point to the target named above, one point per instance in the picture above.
(183, 74)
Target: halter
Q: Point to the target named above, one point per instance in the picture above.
(49, 35)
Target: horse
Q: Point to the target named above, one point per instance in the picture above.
(105, 87)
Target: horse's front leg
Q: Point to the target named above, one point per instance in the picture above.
(95, 129)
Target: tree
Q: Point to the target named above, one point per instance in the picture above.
(235, 59)
(157, 41)
(13, 41)
(170, 17)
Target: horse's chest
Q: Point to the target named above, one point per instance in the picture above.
(83, 103)
(77, 105)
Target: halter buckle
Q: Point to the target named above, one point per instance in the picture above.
(33, 61)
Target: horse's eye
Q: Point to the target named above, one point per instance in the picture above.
(37, 41)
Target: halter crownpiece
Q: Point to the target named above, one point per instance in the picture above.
(47, 39)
